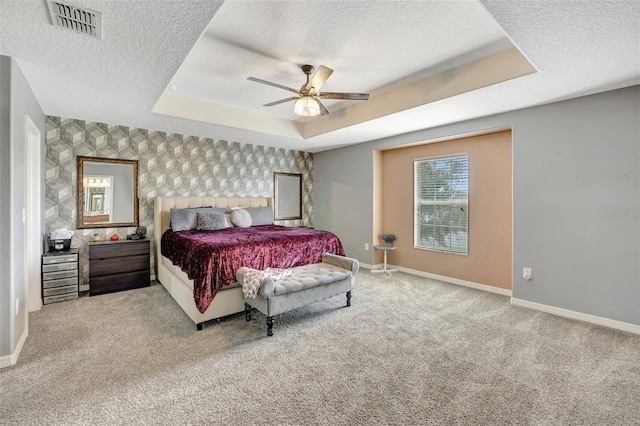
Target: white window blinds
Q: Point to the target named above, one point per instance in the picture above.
(441, 200)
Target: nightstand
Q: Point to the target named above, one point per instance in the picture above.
(118, 265)
(59, 276)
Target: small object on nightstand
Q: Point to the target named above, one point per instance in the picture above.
(115, 237)
(58, 245)
(96, 237)
(139, 235)
(59, 240)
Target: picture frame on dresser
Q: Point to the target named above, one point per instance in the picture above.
(118, 265)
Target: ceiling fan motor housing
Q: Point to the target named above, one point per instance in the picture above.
(309, 93)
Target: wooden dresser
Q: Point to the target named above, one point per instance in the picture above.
(118, 265)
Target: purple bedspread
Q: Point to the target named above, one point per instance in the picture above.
(211, 258)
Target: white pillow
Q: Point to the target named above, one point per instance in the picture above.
(241, 218)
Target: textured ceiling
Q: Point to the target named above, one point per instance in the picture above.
(269, 40)
(207, 49)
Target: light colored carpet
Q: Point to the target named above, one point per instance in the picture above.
(408, 351)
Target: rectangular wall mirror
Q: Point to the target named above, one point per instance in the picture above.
(107, 192)
(287, 194)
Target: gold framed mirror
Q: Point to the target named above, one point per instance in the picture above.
(287, 193)
(107, 192)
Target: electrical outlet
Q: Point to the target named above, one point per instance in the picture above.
(366, 246)
(17, 306)
(526, 273)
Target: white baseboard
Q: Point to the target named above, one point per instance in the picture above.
(366, 265)
(450, 280)
(9, 360)
(619, 325)
(5, 361)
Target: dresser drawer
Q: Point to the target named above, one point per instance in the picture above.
(61, 298)
(60, 283)
(63, 258)
(60, 290)
(59, 275)
(118, 265)
(120, 249)
(111, 283)
(60, 267)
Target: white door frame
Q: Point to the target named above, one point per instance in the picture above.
(33, 237)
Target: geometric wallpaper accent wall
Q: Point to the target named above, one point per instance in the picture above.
(168, 164)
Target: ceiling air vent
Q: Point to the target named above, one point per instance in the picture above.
(84, 21)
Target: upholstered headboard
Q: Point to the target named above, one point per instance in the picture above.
(163, 206)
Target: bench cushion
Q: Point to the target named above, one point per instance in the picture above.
(309, 276)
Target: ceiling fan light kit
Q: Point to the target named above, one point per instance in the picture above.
(308, 97)
(306, 107)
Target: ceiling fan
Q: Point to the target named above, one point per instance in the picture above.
(308, 97)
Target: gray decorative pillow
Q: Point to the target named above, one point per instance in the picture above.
(260, 215)
(185, 219)
(241, 218)
(211, 221)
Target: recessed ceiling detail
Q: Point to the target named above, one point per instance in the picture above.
(447, 48)
(496, 68)
(83, 21)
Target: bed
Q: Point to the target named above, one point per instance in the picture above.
(212, 292)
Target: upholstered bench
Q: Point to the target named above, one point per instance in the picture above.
(307, 284)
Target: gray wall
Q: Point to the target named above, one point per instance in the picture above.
(343, 205)
(5, 214)
(21, 102)
(576, 186)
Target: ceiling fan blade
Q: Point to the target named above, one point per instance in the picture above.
(323, 109)
(321, 75)
(258, 80)
(281, 101)
(350, 96)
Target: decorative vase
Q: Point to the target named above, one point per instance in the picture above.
(96, 237)
(115, 237)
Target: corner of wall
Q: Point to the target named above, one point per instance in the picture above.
(377, 203)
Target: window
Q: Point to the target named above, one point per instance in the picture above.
(441, 199)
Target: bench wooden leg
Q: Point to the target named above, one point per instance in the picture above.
(348, 298)
(247, 311)
(199, 327)
(269, 326)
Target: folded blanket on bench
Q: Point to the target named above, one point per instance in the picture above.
(253, 278)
